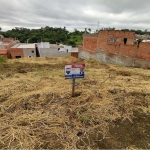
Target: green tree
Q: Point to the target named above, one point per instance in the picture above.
(47, 34)
(72, 43)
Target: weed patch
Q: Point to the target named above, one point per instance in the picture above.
(2, 59)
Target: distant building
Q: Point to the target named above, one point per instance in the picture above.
(1, 38)
(116, 47)
(23, 50)
(46, 49)
(5, 45)
(54, 50)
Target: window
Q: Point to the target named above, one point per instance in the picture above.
(111, 39)
(125, 40)
(32, 51)
(18, 56)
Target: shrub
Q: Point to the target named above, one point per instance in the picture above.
(2, 59)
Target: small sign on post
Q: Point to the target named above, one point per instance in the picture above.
(72, 71)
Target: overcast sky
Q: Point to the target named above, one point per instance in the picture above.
(79, 14)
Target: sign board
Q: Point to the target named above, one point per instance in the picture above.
(74, 71)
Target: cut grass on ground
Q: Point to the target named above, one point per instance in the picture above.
(110, 108)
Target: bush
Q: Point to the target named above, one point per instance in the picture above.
(2, 59)
(72, 43)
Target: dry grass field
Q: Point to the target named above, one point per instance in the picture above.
(110, 109)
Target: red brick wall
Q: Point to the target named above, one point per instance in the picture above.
(80, 47)
(4, 53)
(128, 50)
(144, 51)
(12, 43)
(74, 54)
(102, 42)
(7, 40)
(104, 37)
(90, 43)
(16, 52)
(112, 48)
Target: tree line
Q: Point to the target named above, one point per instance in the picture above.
(54, 35)
(46, 34)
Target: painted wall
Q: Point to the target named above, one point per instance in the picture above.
(45, 52)
(29, 52)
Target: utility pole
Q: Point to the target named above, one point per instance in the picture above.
(98, 26)
(97, 37)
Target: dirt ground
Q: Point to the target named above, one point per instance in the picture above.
(110, 109)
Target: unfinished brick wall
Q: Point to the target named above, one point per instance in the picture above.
(3, 53)
(128, 50)
(102, 41)
(16, 52)
(112, 48)
(74, 54)
(117, 36)
(90, 43)
(80, 47)
(7, 40)
(144, 51)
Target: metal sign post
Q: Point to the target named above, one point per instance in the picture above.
(73, 71)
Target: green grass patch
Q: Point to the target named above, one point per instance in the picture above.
(2, 59)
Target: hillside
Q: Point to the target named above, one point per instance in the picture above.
(110, 109)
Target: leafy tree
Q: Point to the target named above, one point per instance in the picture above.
(46, 34)
(72, 43)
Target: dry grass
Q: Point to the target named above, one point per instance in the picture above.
(37, 110)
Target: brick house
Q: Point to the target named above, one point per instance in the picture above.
(23, 50)
(116, 43)
(5, 45)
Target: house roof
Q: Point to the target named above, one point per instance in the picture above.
(2, 52)
(144, 37)
(24, 45)
(4, 44)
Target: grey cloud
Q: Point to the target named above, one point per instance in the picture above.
(78, 14)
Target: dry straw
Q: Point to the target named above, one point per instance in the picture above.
(38, 112)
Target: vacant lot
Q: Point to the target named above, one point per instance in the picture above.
(110, 109)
